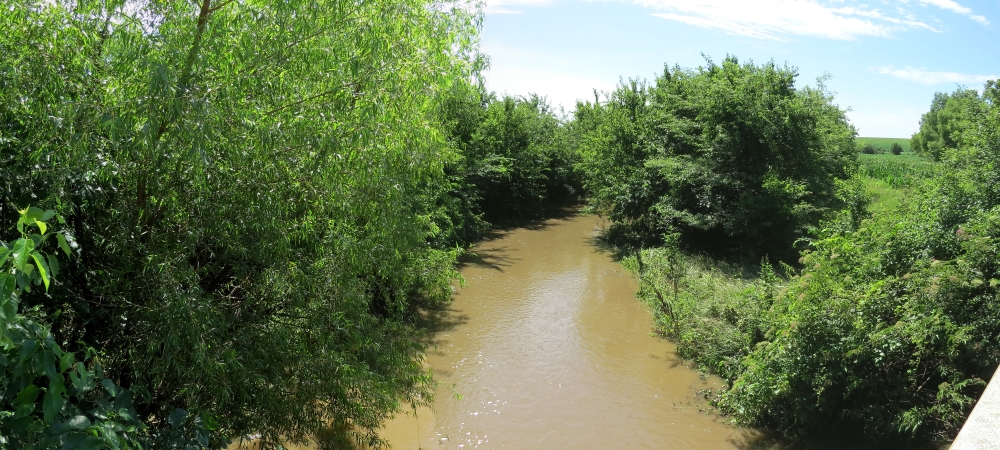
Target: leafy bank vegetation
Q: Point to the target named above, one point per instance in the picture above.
(732, 156)
(252, 200)
(227, 216)
(887, 319)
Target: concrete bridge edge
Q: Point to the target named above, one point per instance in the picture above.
(982, 429)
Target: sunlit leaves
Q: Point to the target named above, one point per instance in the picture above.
(240, 197)
(732, 155)
(53, 416)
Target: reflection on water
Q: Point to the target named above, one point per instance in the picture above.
(547, 347)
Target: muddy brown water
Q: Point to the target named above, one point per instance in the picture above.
(547, 347)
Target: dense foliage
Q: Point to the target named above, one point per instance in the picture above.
(941, 127)
(892, 324)
(733, 156)
(255, 199)
(516, 155)
(247, 187)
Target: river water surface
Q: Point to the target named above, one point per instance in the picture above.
(547, 347)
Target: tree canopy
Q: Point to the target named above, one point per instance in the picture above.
(242, 184)
(731, 155)
(941, 128)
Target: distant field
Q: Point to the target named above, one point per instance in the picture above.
(897, 171)
(885, 143)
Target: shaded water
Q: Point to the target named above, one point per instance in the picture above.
(547, 347)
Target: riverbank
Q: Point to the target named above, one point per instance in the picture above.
(547, 347)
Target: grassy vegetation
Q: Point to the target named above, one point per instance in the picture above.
(717, 313)
(886, 143)
(897, 170)
(887, 299)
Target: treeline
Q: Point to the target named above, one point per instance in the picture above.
(513, 158)
(731, 156)
(222, 219)
(228, 213)
(739, 199)
(942, 127)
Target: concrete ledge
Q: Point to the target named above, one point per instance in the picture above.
(982, 429)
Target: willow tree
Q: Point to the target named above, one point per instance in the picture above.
(239, 179)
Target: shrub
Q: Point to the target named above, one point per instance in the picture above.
(733, 156)
(246, 184)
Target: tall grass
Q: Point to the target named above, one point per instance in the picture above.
(718, 312)
(897, 171)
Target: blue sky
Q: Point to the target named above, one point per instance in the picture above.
(887, 58)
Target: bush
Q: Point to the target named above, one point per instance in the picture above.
(896, 148)
(49, 397)
(892, 328)
(942, 127)
(892, 325)
(516, 156)
(248, 188)
(733, 156)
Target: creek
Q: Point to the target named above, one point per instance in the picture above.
(547, 347)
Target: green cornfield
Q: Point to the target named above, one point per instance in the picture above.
(896, 171)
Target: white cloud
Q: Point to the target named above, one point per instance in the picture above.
(901, 123)
(508, 6)
(954, 7)
(559, 88)
(924, 76)
(561, 78)
(775, 19)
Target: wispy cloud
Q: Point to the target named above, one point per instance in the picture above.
(924, 76)
(511, 6)
(777, 19)
(954, 7)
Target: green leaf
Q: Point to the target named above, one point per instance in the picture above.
(8, 311)
(177, 417)
(123, 404)
(110, 386)
(63, 245)
(74, 377)
(4, 254)
(8, 302)
(35, 213)
(24, 410)
(49, 365)
(53, 265)
(8, 284)
(83, 442)
(48, 214)
(27, 396)
(43, 268)
(27, 350)
(66, 361)
(24, 279)
(53, 402)
(81, 378)
(22, 251)
(78, 422)
(41, 226)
